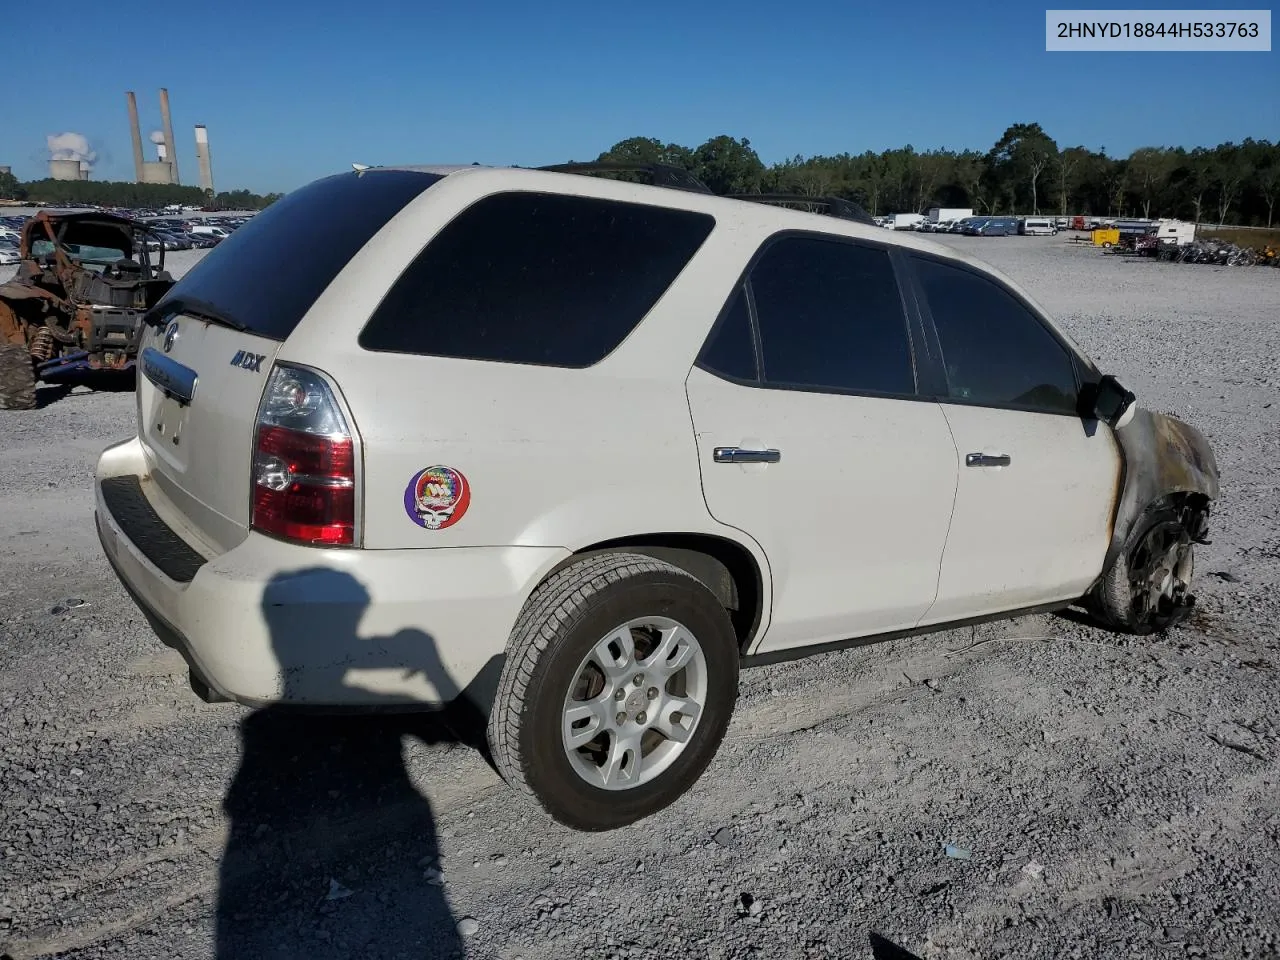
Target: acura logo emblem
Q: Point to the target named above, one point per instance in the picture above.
(170, 335)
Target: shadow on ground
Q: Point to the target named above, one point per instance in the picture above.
(332, 851)
(884, 949)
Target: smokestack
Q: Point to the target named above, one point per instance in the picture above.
(202, 157)
(168, 133)
(136, 132)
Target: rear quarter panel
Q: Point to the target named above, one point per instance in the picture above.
(550, 457)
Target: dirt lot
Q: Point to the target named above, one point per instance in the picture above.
(1106, 797)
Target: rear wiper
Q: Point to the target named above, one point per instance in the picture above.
(196, 308)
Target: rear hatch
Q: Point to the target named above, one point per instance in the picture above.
(210, 343)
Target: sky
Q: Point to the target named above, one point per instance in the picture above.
(291, 91)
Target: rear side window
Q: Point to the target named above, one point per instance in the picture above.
(536, 278)
(996, 352)
(731, 349)
(831, 318)
(268, 273)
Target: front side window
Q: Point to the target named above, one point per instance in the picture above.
(996, 352)
(830, 317)
(536, 278)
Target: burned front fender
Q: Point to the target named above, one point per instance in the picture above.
(1166, 462)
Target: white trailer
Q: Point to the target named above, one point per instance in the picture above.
(938, 214)
(1174, 233)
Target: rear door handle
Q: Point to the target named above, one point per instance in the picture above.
(987, 460)
(739, 455)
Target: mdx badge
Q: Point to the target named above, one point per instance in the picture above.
(248, 361)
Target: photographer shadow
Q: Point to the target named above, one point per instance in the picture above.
(332, 851)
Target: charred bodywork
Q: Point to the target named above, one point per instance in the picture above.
(83, 284)
(1168, 482)
(1168, 464)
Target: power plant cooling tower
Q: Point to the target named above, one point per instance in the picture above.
(156, 171)
(65, 170)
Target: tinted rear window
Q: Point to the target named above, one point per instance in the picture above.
(268, 273)
(536, 278)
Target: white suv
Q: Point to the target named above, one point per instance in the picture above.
(575, 450)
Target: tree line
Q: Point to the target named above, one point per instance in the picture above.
(106, 193)
(1025, 172)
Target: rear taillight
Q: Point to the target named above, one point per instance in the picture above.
(304, 470)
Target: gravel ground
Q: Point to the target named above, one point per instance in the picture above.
(1103, 797)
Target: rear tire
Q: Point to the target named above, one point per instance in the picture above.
(620, 679)
(17, 378)
(1147, 588)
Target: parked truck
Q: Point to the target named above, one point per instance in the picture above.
(905, 221)
(938, 214)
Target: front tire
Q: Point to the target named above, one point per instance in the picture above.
(1147, 588)
(17, 378)
(620, 680)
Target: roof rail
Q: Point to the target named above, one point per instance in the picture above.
(835, 206)
(662, 174)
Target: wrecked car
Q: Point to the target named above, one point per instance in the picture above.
(75, 306)
(574, 452)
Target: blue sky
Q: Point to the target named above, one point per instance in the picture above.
(293, 91)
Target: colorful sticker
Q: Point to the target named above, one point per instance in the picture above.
(437, 497)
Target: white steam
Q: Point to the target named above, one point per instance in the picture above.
(157, 136)
(71, 146)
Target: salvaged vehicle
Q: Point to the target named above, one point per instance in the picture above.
(84, 281)
(574, 451)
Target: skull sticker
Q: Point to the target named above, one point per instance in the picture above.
(437, 497)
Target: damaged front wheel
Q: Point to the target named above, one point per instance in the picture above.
(1148, 587)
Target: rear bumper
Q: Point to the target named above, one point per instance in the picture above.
(269, 622)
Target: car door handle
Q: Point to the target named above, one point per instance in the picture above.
(739, 455)
(987, 460)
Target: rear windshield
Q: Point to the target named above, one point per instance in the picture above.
(267, 274)
(537, 279)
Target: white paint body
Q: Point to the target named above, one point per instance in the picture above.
(829, 555)
(1033, 532)
(870, 522)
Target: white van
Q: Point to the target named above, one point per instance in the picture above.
(1039, 227)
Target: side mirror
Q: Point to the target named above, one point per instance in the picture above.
(1113, 403)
